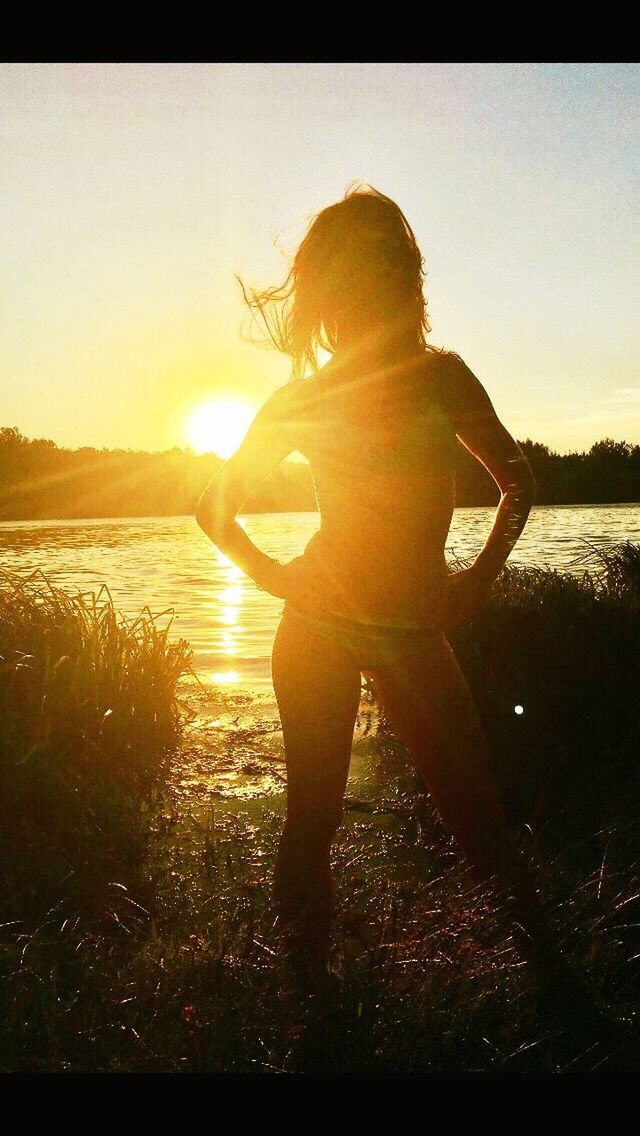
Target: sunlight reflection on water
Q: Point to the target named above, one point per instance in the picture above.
(167, 562)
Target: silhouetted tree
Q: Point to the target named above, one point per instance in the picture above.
(39, 479)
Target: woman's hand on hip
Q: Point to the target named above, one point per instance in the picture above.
(297, 583)
(291, 582)
(465, 595)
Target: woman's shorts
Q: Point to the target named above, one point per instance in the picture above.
(372, 645)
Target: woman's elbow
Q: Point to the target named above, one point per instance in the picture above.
(213, 522)
(206, 517)
(525, 480)
(522, 489)
(530, 486)
(201, 518)
(526, 489)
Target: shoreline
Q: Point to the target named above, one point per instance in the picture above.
(231, 745)
(6, 522)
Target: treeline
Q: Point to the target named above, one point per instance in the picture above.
(40, 480)
(608, 472)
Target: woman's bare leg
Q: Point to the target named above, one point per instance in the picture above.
(428, 703)
(430, 707)
(317, 687)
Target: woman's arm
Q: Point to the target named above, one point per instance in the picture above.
(482, 433)
(270, 438)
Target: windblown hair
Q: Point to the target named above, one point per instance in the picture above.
(358, 264)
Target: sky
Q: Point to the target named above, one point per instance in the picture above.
(130, 195)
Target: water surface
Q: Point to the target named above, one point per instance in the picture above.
(167, 563)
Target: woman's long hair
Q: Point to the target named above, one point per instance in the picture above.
(358, 265)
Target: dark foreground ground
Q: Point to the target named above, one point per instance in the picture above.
(138, 928)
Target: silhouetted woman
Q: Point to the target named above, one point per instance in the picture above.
(372, 593)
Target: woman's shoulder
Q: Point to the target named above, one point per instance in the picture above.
(290, 406)
(456, 386)
(443, 361)
(282, 401)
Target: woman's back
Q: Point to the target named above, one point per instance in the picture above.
(381, 448)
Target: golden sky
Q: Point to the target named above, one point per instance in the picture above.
(131, 193)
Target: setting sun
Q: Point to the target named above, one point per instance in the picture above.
(219, 426)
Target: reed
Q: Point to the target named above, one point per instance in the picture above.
(563, 647)
(88, 711)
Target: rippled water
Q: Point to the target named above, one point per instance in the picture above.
(167, 562)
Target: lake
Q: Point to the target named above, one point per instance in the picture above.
(167, 563)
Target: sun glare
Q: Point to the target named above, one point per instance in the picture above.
(219, 426)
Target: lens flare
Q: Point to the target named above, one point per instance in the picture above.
(219, 426)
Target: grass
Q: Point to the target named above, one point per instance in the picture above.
(88, 709)
(175, 966)
(564, 647)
